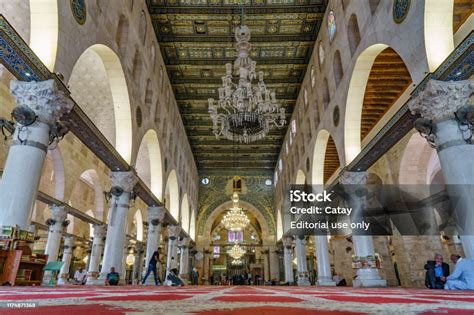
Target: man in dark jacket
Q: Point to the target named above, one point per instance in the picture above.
(436, 272)
(152, 268)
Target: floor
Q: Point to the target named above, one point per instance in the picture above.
(234, 300)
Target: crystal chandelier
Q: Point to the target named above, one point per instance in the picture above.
(237, 262)
(244, 113)
(236, 251)
(235, 219)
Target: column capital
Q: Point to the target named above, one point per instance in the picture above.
(184, 242)
(173, 231)
(58, 213)
(124, 180)
(68, 242)
(100, 231)
(353, 178)
(287, 242)
(440, 99)
(43, 97)
(155, 215)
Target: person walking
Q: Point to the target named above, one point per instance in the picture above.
(152, 268)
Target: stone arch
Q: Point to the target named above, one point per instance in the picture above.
(138, 218)
(121, 37)
(353, 33)
(438, 27)
(87, 193)
(192, 225)
(149, 163)
(98, 85)
(326, 158)
(185, 213)
(91, 226)
(279, 227)
(360, 100)
(44, 32)
(248, 207)
(417, 163)
(172, 195)
(300, 178)
(337, 68)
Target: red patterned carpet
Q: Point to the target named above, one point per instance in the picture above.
(218, 300)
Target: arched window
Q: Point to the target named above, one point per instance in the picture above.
(373, 5)
(326, 97)
(137, 65)
(353, 33)
(148, 94)
(121, 37)
(337, 68)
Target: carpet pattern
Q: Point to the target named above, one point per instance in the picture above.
(220, 300)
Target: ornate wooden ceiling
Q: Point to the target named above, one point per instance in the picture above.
(197, 39)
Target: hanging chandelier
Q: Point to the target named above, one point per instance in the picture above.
(235, 219)
(236, 251)
(237, 262)
(244, 113)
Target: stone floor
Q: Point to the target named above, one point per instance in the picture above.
(233, 300)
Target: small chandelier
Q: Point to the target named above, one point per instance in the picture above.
(244, 113)
(237, 262)
(236, 251)
(235, 219)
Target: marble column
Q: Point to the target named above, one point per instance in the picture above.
(363, 244)
(445, 107)
(117, 218)
(274, 263)
(266, 265)
(322, 257)
(205, 265)
(171, 260)
(288, 259)
(138, 264)
(301, 261)
(155, 221)
(67, 256)
(56, 223)
(184, 259)
(96, 254)
(24, 164)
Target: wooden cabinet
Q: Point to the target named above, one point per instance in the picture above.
(9, 265)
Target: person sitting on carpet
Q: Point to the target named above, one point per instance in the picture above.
(152, 268)
(462, 277)
(172, 278)
(436, 272)
(112, 277)
(80, 276)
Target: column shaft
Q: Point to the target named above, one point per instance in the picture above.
(324, 266)
(67, 256)
(301, 262)
(96, 254)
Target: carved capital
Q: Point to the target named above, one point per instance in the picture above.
(124, 180)
(43, 97)
(173, 231)
(440, 99)
(100, 231)
(58, 213)
(156, 213)
(184, 243)
(287, 242)
(353, 178)
(68, 242)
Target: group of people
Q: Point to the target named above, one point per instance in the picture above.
(438, 276)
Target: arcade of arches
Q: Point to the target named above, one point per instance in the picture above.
(121, 160)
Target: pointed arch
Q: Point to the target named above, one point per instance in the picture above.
(149, 163)
(172, 195)
(104, 96)
(192, 225)
(185, 213)
(353, 33)
(138, 218)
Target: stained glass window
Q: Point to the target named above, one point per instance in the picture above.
(331, 25)
(233, 237)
